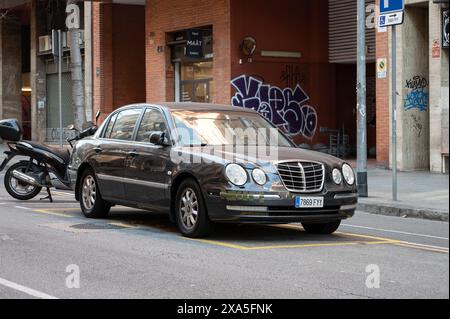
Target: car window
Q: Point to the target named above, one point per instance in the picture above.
(110, 126)
(124, 125)
(152, 122)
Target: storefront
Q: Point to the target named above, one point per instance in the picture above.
(192, 58)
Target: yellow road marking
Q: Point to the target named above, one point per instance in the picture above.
(241, 247)
(378, 240)
(218, 243)
(43, 211)
(119, 224)
(414, 246)
(351, 243)
(52, 209)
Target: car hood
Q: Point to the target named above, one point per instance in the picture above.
(250, 155)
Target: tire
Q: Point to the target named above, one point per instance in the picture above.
(190, 211)
(322, 228)
(14, 191)
(91, 201)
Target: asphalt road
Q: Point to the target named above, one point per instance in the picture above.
(136, 254)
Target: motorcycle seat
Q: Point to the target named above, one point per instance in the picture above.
(62, 153)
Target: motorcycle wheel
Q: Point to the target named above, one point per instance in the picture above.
(18, 189)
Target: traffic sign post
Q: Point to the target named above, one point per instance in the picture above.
(391, 14)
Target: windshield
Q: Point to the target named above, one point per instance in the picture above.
(227, 128)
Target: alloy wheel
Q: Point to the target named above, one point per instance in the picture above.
(189, 208)
(89, 192)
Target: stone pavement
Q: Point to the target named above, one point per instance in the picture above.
(420, 194)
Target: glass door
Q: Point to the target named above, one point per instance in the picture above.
(195, 82)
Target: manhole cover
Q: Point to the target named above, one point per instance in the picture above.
(96, 226)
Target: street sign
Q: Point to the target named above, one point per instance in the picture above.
(388, 6)
(394, 18)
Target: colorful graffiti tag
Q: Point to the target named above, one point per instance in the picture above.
(418, 97)
(286, 107)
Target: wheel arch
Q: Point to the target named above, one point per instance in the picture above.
(174, 188)
(80, 171)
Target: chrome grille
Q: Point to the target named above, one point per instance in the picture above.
(307, 177)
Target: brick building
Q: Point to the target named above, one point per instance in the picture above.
(292, 60)
(273, 56)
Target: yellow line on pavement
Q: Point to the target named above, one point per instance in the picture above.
(119, 224)
(218, 243)
(241, 247)
(414, 246)
(43, 211)
(52, 209)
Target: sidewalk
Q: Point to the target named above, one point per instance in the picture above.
(420, 195)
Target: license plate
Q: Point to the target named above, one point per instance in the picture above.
(308, 202)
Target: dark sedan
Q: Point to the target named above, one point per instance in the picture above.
(204, 164)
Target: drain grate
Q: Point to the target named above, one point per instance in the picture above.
(96, 226)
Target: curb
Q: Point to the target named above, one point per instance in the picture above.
(405, 212)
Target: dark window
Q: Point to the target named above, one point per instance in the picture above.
(152, 122)
(124, 125)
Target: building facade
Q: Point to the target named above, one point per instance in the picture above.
(422, 88)
(292, 61)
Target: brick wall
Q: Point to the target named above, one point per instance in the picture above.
(382, 98)
(163, 16)
(118, 56)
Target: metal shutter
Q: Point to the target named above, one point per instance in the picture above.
(342, 31)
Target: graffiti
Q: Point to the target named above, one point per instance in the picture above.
(285, 108)
(417, 125)
(418, 97)
(291, 76)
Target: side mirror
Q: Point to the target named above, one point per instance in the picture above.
(159, 138)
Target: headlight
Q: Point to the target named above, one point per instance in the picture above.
(236, 174)
(337, 176)
(259, 176)
(349, 176)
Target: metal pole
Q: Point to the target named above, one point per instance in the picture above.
(361, 101)
(394, 114)
(60, 57)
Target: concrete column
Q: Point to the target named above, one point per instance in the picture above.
(10, 69)
(37, 80)
(413, 87)
(438, 91)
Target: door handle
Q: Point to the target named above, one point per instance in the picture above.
(98, 150)
(133, 154)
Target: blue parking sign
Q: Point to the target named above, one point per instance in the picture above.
(387, 6)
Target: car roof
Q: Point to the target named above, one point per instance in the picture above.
(190, 106)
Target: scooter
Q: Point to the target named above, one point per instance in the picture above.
(46, 167)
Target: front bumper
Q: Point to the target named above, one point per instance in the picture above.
(278, 207)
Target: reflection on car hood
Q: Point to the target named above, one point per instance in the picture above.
(257, 155)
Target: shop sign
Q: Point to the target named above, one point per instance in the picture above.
(194, 44)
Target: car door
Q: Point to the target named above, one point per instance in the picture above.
(147, 164)
(112, 150)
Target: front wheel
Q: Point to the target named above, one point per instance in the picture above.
(18, 189)
(322, 228)
(191, 214)
(91, 201)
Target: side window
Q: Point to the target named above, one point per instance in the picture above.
(152, 122)
(110, 126)
(124, 125)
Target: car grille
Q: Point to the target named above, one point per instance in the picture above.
(302, 176)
